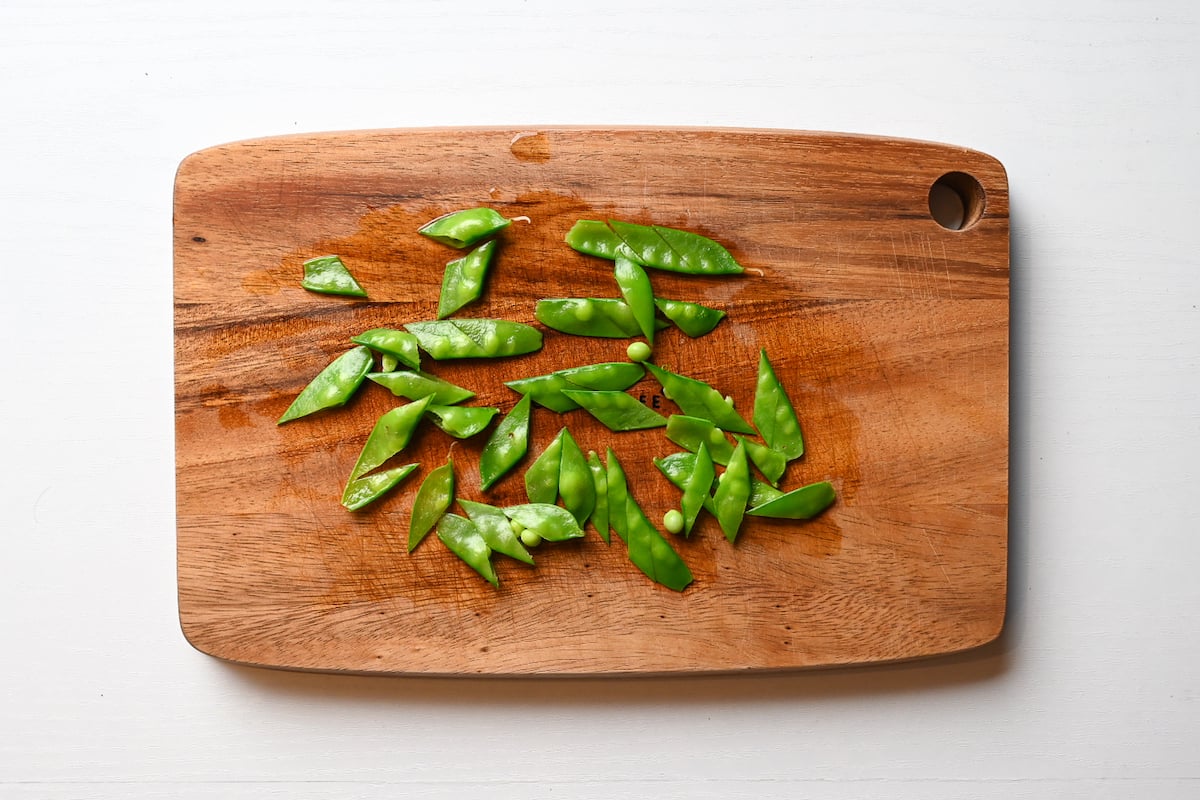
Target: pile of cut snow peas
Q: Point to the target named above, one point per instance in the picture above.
(566, 488)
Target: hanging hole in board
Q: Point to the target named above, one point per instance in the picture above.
(956, 201)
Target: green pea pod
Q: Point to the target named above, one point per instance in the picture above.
(618, 496)
(333, 386)
(546, 391)
(475, 338)
(463, 539)
(390, 435)
(328, 275)
(370, 488)
(575, 485)
(497, 531)
(689, 432)
(464, 228)
(692, 318)
(461, 422)
(400, 345)
(774, 415)
(604, 317)
(698, 399)
(733, 492)
(463, 279)
(617, 410)
(771, 463)
(506, 446)
(553, 523)
(434, 498)
(415, 385)
(639, 296)
(803, 503)
(697, 488)
(608, 376)
(678, 466)
(541, 479)
(599, 517)
(653, 246)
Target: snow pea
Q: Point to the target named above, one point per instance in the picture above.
(771, 463)
(803, 503)
(733, 492)
(462, 281)
(678, 466)
(697, 399)
(475, 338)
(617, 410)
(541, 479)
(653, 246)
(605, 317)
(506, 446)
(553, 523)
(497, 531)
(400, 345)
(390, 435)
(575, 486)
(464, 228)
(434, 498)
(328, 275)
(415, 385)
(774, 415)
(639, 296)
(697, 488)
(618, 493)
(369, 488)
(546, 390)
(333, 386)
(648, 550)
(692, 318)
(599, 516)
(689, 432)
(464, 539)
(461, 422)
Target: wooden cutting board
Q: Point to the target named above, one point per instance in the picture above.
(889, 331)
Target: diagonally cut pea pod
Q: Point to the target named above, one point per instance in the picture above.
(771, 463)
(697, 399)
(496, 530)
(415, 384)
(733, 493)
(648, 550)
(575, 486)
(617, 410)
(653, 246)
(463, 279)
(464, 228)
(369, 488)
(618, 493)
(546, 390)
(434, 498)
(390, 435)
(693, 319)
(604, 317)
(400, 345)
(333, 386)
(774, 415)
(553, 523)
(541, 479)
(697, 488)
(803, 503)
(461, 422)
(463, 539)
(678, 466)
(506, 446)
(638, 294)
(328, 275)
(599, 518)
(475, 338)
(690, 432)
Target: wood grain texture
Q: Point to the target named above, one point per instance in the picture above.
(889, 331)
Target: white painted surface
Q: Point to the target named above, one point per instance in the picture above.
(1094, 107)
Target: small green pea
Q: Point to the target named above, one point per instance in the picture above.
(638, 351)
(530, 537)
(673, 521)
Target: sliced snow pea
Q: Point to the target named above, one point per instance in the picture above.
(506, 446)
(697, 488)
(689, 432)
(434, 498)
(653, 246)
(733, 492)
(546, 390)
(803, 503)
(369, 488)
(599, 516)
(606, 317)
(333, 386)
(416, 384)
(648, 550)
(618, 494)
(774, 415)
(390, 435)
(475, 338)
(691, 318)
(553, 523)
(388, 362)
(541, 479)
(617, 410)
(464, 539)
(461, 422)
(698, 399)
(328, 275)
(463, 278)
(575, 486)
(771, 463)
(400, 345)
(464, 228)
(639, 296)
(678, 466)
(497, 531)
